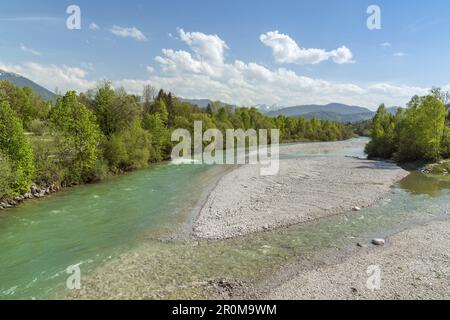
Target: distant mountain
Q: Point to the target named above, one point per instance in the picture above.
(298, 111)
(203, 103)
(21, 82)
(337, 117)
(393, 110)
(334, 111)
(265, 108)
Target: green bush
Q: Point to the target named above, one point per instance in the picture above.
(6, 177)
(15, 147)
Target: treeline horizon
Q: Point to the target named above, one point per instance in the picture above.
(85, 137)
(420, 133)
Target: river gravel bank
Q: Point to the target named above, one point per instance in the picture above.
(414, 264)
(305, 189)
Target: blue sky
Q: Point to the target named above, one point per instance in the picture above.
(244, 52)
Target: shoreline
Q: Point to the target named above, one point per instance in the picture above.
(134, 274)
(305, 190)
(413, 265)
(52, 188)
(37, 192)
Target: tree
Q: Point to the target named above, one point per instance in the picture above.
(382, 135)
(16, 153)
(161, 108)
(128, 150)
(422, 130)
(25, 103)
(443, 96)
(78, 134)
(6, 176)
(103, 107)
(148, 97)
(159, 136)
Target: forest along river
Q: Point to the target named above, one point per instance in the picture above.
(113, 231)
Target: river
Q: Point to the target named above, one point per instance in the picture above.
(94, 225)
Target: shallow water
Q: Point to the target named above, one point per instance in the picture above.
(90, 224)
(178, 268)
(94, 224)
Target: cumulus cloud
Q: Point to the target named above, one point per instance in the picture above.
(52, 76)
(29, 50)
(399, 54)
(203, 72)
(125, 32)
(286, 50)
(209, 47)
(386, 44)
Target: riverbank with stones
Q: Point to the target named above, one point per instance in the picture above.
(35, 192)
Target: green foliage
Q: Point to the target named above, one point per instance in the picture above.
(48, 167)
(128, 150)
(422, 130)
(38, 127)
(115, 110)
(77, 135)
(160, 108)
(362, 128)
(160, 136)
(6, 177)
(443, 168)
(85, 137)
(383, 135)
(419, 134)
(16, 153)
(26, 104)
(445, 148)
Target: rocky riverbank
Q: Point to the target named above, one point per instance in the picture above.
(412, 265)
(35, 192)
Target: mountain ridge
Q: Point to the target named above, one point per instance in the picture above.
(21, 82)
(333, 111)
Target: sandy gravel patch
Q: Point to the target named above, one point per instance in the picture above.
(415, 264)
(305, 189)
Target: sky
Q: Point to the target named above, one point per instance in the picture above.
(252, 52)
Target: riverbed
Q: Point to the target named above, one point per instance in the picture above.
(130, 236)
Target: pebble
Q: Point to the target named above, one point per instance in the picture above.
(361, 245)
(378, 242)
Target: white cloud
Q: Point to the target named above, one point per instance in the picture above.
(29, 50)
(51, 76)
(386, 44)
(209, 47)
(203, 72)
(94, 27)
(399, 54)
(125, 32)
(286, 50)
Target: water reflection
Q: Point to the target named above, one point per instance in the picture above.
(418, 183)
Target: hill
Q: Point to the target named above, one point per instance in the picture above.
(203, 103)
(21, 82)
(334, 111)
